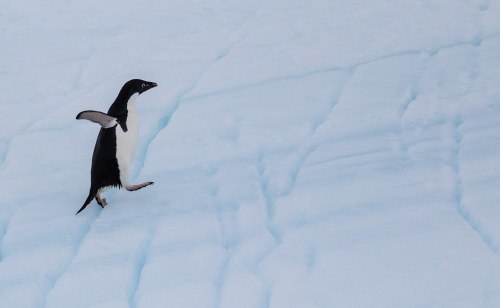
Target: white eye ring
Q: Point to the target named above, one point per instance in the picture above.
(143, 85)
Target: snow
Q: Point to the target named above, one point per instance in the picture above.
(304, 153)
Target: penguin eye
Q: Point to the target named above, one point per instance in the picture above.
(143, 85)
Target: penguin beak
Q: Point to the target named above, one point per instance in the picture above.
(153, 84)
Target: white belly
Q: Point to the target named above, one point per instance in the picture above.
(126, 142)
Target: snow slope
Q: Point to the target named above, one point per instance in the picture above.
(305, 154)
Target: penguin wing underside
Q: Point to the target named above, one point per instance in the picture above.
(98, 117)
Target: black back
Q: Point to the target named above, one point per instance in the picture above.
(105, 170)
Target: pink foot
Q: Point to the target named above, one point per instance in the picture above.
(138, 186)
(101, 201)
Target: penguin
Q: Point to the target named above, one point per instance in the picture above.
(116, 143)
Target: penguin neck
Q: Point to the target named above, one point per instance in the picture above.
(131, 100)
(131, 111)
(132, 119)
(121, 104)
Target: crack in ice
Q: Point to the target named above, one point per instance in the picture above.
(85, 233)
(178, 99)
(141, 262)
(465, 212)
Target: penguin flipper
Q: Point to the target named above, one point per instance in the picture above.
(98, 117)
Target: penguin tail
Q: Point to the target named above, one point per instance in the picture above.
(92, 194)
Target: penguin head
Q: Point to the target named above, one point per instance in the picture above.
(138, 86)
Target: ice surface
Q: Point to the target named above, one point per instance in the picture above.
(304, 154)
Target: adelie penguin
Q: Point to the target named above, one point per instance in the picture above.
(116, 143)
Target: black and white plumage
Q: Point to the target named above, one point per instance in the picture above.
(116, 142)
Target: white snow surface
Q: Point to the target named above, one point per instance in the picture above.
(306, 153)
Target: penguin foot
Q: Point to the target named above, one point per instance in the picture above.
(138, 186)
(101, 201)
